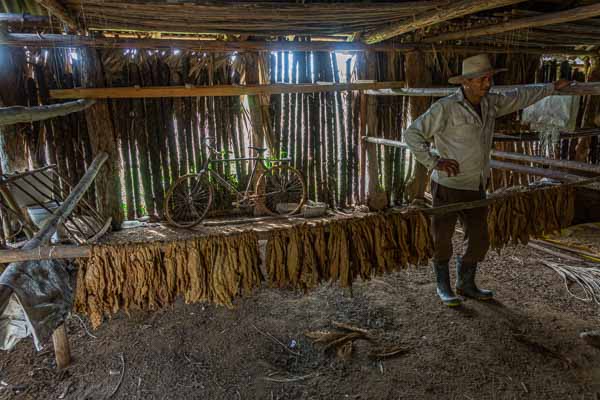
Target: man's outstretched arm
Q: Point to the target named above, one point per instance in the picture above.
(518, 99)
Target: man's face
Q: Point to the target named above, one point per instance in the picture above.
(479, 86)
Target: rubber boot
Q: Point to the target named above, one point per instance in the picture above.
(465, 282)
(444, 290)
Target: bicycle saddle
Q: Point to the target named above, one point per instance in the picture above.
(258, 149)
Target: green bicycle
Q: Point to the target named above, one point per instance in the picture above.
(279, 190)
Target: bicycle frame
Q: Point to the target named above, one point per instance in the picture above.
(241, 196)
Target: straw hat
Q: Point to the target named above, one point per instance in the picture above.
(475, 67)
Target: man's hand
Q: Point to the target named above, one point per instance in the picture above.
(562, 83)
(448, 166)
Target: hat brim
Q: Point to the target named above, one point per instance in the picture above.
(461, 78)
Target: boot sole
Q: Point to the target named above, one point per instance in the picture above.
(461, 293)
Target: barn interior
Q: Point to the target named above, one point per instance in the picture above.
(300, 268)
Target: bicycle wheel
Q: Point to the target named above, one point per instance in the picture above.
(188, 200)
(281, 190)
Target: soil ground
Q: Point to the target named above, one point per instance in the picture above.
(525, 345)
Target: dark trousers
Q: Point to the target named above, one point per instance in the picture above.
(474, 222)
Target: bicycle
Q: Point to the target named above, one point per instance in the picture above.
(279, 190)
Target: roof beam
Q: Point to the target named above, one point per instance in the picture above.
(574, 14)
(55, 8)
(454, 9)
(74, 41)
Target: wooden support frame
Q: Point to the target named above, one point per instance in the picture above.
(453, 9)
(19, 114)
(216, 90)
(573, 14)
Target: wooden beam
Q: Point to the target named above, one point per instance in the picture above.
(574, 14)
(543, 172)
(19, 114)
(207, 45)
(198, 44)
(55, 8)
(578, 89)
(454, 9)
(216, 90)
(566, 164)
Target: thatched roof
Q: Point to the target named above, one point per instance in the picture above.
(439, 22)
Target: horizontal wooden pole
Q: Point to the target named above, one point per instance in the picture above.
(385, 142)
(566, 164)
(19, 114)
(74, 41)
(216, 90)
(543, 172)
(578, 89)
(201, 44)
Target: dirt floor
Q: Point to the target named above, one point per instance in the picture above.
(523, 346)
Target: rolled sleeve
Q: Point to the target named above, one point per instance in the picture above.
(420, 133)
(518, 99)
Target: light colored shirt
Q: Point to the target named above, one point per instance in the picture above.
(461, 134)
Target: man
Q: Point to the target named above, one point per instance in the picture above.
(461, 127)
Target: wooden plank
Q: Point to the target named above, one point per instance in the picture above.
(573, 14)
(577, 89)
(215, 90)
(453, 9)
(55, 8)
(19, 114)
(573, 165)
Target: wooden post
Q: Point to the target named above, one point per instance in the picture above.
(62, 350)
(103, 139)
(417, 76)
(363, 148)
(591, 114)
(372, 122)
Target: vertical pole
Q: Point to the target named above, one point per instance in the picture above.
(62, 351)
